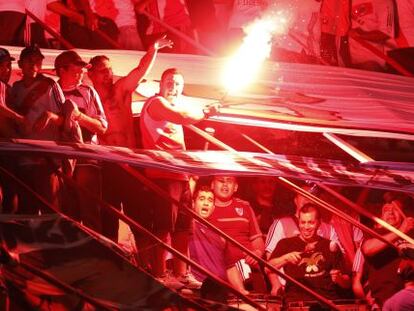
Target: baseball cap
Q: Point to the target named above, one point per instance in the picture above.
(5, 55)
(69, 57)
(32, 50)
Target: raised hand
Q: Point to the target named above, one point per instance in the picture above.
(163, 42)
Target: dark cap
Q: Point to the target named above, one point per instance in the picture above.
(69, 57)
(5, 55)
(32, 50)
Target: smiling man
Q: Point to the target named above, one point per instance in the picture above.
(310, 260)
(162, 118)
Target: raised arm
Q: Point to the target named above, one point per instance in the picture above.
(131, 81)
(161, 109)
(373, 246)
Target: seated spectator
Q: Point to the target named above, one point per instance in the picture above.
(287, 227)
(311, 260)
(236, 218)
(382, 260)
(206, 246)
(404, 299)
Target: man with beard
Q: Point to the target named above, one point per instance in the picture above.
(116, 97)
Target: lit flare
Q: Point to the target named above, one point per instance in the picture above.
(244, 66)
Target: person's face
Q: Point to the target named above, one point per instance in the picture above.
(265, 187)
(31, 66)
(5, 71)
(204, 203)
(391, 214)
(72, 74)
(308, 225)
(224, 187)
(172, 86)
(101, 74)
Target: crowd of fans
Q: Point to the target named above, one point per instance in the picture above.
(360, 34)
(322, 252)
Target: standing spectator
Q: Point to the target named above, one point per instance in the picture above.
(175, 14)
(119, 186)
(12, 22)
(162, 120)
(123, 14)
(382, 260)
(309, 259)
(206, 25)
(375, 22)
(243, 13)
(88, 112)
(301, 43)
(9, 121)
(236, 218)
(35, 33)
(7, 115)
(79, 24)
(38, 98)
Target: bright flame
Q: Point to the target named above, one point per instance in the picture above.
(244, 66)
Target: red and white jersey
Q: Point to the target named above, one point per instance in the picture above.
(160, 134)
(236, 218)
